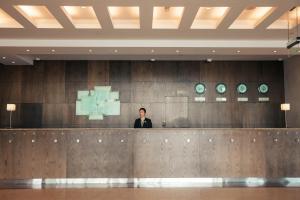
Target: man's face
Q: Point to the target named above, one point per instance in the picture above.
(142, 113)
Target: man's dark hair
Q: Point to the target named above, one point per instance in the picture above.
(142, 109)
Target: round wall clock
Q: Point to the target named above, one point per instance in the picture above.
(263, 88)
(242, 88)
(221, 88)
(200, 88)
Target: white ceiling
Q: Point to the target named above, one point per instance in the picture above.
(22, 46)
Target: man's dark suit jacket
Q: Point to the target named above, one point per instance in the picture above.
(147, 123)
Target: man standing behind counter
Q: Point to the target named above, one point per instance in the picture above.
(142, 122)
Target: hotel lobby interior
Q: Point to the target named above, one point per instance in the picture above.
(149, 99)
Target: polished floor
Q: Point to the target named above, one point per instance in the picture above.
(152, 194)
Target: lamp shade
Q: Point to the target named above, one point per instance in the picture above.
(285, 107)
(11, 107)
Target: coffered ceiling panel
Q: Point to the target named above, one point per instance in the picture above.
(152, 29)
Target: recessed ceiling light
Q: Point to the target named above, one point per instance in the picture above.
(28, 50)
(82, 17)
(152, 50)
(37, 58)
(214, 51)
(281, 23)
(13, 62)
(251, 17)
(274, 51)
(116, 50)
(3, 57)
(177, 51)
(90, 50)
(125, 17)
(209, 17)
(152, 59)
(53, 50)
(238, 51)
(167, 17)
(39, 16)
(7, 21)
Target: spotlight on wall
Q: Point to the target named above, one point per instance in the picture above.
(285, 107)
(10, 108)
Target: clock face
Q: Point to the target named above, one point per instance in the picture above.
(200, 88)
(263, 88)
(242, 88)
(221, 88)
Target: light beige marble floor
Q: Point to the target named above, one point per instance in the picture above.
(153, 194)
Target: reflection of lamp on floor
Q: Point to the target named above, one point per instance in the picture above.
(11, 108)
(285, 107)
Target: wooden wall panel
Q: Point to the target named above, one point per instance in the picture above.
(76, 71)
(292, 95)
(31, 115)
(98, 74)
(50, 88)
(120, 71)
(53, 115)
(32, 84)
(54, 82)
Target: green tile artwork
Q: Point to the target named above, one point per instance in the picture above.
(98, 103)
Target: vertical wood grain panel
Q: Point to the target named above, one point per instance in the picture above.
(50, 88)
(54, 81)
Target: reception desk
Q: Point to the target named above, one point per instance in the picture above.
(149, 153)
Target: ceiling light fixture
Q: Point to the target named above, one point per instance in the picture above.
(13, 62)
(209, 17)
(28, 50)
(177, 51)
(6, 21)
(152, 50)
(37, 58)
(3, 57)
(53, 50)
(238, 51)
(90, 50)
(82, 17)
(39, 16)
(167, 17)
(116, 50)
(125, 17)
(251, 17)
(274, 51)
(213, 51)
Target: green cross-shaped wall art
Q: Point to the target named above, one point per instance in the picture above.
(98, 103)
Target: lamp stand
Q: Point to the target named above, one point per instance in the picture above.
(285, 121)
(10, 116)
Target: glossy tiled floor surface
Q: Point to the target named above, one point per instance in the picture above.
(153, 194)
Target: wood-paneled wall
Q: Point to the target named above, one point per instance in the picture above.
(292, 88)
(45, 93)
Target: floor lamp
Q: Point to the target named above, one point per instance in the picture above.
(10, 108)
(285, 107)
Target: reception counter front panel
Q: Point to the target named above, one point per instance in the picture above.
(149, 153)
